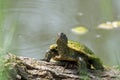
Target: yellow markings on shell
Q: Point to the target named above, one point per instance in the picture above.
(53, 46)
(75, 46)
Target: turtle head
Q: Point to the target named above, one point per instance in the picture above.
(62, 39)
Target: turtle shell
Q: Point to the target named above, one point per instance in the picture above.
(76, 47)
(79, 47)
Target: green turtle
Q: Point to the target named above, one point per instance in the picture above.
(67, 50)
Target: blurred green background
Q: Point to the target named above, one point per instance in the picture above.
(28, 27)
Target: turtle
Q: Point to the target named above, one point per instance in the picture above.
(68, 50)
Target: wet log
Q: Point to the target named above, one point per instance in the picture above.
(24, 68)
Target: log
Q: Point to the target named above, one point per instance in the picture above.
(24, 68)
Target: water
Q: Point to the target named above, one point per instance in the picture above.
(38, 22)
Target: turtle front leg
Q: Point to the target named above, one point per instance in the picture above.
(49, 55)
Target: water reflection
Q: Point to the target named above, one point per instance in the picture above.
(39, 21)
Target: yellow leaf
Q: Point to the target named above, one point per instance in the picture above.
(79, 30)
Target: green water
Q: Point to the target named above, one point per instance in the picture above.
(37, 23)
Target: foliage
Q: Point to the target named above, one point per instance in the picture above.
(5, 40)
